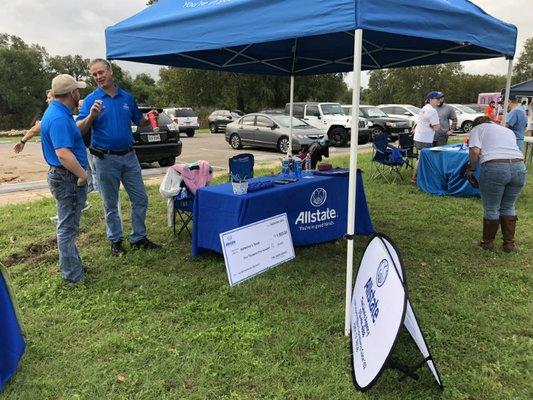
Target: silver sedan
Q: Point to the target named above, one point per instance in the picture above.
(271, 131)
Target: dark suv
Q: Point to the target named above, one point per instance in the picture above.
(163, 145)
(220, 118)
(381, 122)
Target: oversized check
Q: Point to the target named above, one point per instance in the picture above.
(252, 249)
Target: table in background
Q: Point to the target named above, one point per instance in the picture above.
(217, 210)
(440, 171)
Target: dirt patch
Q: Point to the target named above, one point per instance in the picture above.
(33, 253)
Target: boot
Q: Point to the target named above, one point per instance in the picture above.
(508, 228)
(490, 227)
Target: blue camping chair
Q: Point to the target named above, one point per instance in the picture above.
(407, 146)
(386, 158)
(241, 166)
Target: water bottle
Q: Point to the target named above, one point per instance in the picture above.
(307, 164)
(285, 161)
(297, 164)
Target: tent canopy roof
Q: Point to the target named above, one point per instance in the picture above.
(261, 37)
(524, 89)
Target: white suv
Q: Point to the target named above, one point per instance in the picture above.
(406, 111)
(465, 117)
(185, 117)
(330, 119)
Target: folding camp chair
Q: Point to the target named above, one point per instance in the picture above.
(241, 167)
(386, 158)
(183, 204)
(406, 143)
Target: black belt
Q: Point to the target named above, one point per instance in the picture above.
(100, 152)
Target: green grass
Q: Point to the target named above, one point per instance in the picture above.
(165, 325)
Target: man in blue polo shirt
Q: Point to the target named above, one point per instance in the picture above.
(64, 151)
(517, 121)
(108, 112)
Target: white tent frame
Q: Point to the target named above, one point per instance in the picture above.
(360, 49)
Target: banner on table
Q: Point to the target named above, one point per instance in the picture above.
(380, 305)
(252, 249)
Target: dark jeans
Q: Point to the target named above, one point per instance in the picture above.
(111, 171)
(499, 186)
(70, 199)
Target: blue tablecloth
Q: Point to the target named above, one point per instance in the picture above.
(440, 172)
(316, 208)
(12, 343)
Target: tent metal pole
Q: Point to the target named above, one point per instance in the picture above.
(507, 90)
(291, 106)
(356, 90)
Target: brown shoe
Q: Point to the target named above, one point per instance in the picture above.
(490, 228)
(508, 229)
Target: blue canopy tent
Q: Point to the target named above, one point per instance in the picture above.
(302, 37)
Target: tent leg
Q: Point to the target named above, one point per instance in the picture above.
(356, 88)
(291, 106)
(507, 90)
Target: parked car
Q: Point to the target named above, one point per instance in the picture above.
(479, 108)
(186, 119)
(218, 119)
(381, 122)
(271, 131)
(465, 117)
(162, 145)
(331, 120)
(406, 111)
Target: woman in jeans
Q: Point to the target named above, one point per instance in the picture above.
(502, 176)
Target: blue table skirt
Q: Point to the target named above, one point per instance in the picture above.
(12, 343)
(217, 210)
(440, 172)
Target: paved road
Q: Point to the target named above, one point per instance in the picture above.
(27, 170)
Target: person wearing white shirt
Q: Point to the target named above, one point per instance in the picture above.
(427, 125)
(502, 177)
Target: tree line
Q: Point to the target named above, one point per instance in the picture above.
(26, 71)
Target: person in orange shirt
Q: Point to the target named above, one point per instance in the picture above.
(490, 111)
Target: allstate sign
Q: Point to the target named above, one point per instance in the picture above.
(318, 197)
(378, 307)
(317, 218)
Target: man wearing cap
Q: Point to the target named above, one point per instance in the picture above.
(115, 161)
(491, 112)
(517, 121)
(446, 114)
(64, 151)
(427, 125)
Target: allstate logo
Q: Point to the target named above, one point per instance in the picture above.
(383, 271)
(318, 197)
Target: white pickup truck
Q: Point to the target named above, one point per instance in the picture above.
(330, 119)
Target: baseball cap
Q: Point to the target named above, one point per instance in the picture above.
(65, 83)
(435, 95)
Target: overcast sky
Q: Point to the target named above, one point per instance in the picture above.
(77, 27)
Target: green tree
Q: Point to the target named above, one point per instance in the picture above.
(145, 89)
(77, 66)
(23, 82)
(523, 69)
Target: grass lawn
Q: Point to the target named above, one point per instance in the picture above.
(165, 325)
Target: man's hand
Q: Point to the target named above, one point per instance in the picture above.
(96, 109)
(449, 133)
(82, 180)
(18, 147)
(469, 173)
